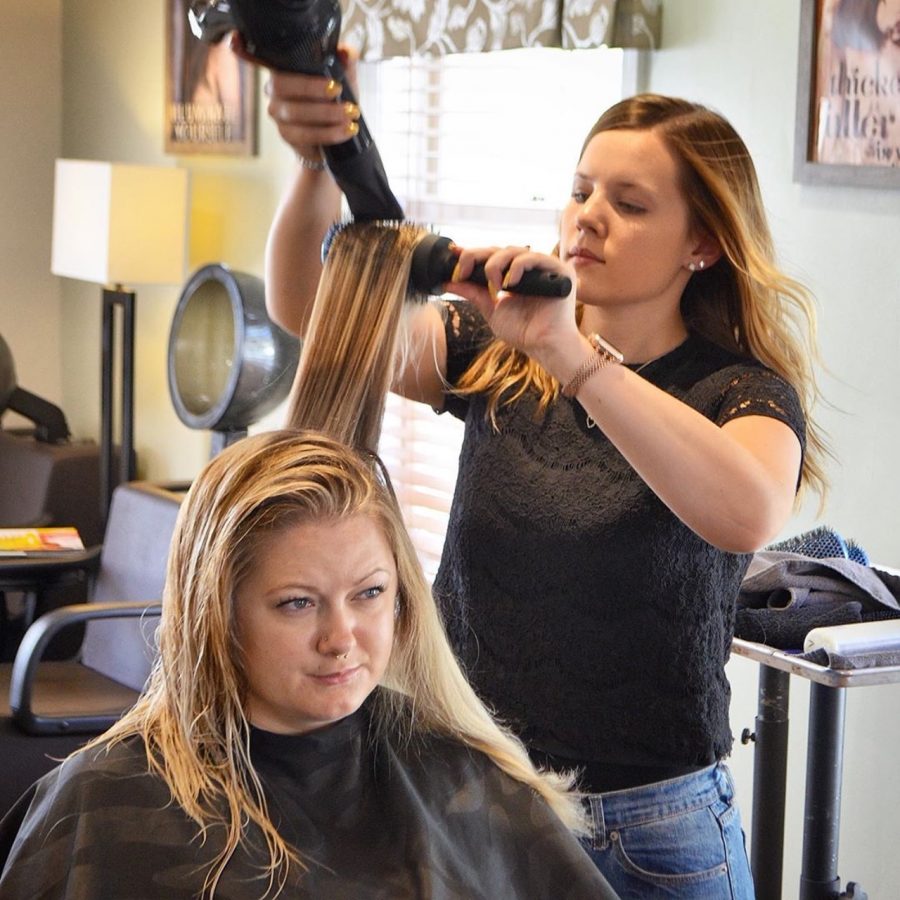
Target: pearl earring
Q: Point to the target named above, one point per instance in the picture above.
(692, 266)
(702, 264)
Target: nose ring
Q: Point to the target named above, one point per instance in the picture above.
(341, 655)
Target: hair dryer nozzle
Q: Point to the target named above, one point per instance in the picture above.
(210, 20)
(302, 36)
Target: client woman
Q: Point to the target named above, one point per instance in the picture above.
(306, 731)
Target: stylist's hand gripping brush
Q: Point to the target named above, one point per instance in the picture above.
(302, 36)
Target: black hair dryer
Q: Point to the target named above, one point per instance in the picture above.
(302, 36)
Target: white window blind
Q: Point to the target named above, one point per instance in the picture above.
(482, 148)
(420, 450)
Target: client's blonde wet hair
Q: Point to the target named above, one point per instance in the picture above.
(355, 332)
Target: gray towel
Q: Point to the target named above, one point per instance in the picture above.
(833, 660)
(780, 580)
(786, 595)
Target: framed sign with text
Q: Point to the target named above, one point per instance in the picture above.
(848, 93)
(210, 93)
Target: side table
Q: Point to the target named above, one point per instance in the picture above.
(824, 762)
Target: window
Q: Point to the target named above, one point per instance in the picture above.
(480, 147)
(421, 450)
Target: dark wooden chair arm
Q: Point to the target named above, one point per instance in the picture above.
(31, 650)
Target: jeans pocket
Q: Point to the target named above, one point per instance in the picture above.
(681, 850)
(736, 854)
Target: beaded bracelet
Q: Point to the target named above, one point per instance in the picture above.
(605, 355)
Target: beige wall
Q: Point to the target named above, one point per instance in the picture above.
(30, 103)
(113, 109)
(738, 56)
(741, 57)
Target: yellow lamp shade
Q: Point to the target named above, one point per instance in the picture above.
(119, 224)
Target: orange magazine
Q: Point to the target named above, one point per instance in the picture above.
(25, 541)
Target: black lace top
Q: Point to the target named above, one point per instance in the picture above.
(593, 620)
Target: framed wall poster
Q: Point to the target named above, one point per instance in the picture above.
(848, 93)
(211, 95)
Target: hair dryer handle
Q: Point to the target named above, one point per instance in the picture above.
(356, 163)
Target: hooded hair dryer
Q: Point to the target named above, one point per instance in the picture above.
(302, 36)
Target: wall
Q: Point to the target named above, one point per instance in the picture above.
(741, 58)
(114, 75)
(30, 103)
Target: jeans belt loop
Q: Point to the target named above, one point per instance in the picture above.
(599, 837)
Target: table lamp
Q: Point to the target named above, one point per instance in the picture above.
(116, 224)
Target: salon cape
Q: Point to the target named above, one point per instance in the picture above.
(430, 820)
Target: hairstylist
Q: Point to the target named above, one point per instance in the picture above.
(625, 450)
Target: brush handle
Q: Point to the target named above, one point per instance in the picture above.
(433, 263)
(535, 282)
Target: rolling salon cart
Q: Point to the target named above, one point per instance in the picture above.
(825, 744)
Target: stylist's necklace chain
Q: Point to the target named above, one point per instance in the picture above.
(590, 422)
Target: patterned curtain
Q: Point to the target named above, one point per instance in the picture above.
(383, 28)
(634, 24)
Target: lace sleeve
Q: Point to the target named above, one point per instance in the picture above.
(761, 392)
(467, 335)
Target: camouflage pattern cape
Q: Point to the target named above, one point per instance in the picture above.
(373, 819)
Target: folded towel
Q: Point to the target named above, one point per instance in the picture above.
(861, 646)
(788, 578)
(832, 660)
(786, 631)
(785, 595)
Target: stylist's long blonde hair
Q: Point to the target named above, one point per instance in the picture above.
(191, 716)
(743, 303)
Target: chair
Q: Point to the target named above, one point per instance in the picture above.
(50, 484)
(54, 705)
(46, 484)
(45, 479)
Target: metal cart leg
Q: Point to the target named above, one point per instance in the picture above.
(769, 779)
(822, 816)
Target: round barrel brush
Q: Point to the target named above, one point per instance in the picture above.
(433, 262)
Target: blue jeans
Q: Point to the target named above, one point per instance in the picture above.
(680, 838)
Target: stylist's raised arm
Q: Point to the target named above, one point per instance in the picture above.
(309, 115)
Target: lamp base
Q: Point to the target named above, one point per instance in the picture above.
(124, 300)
